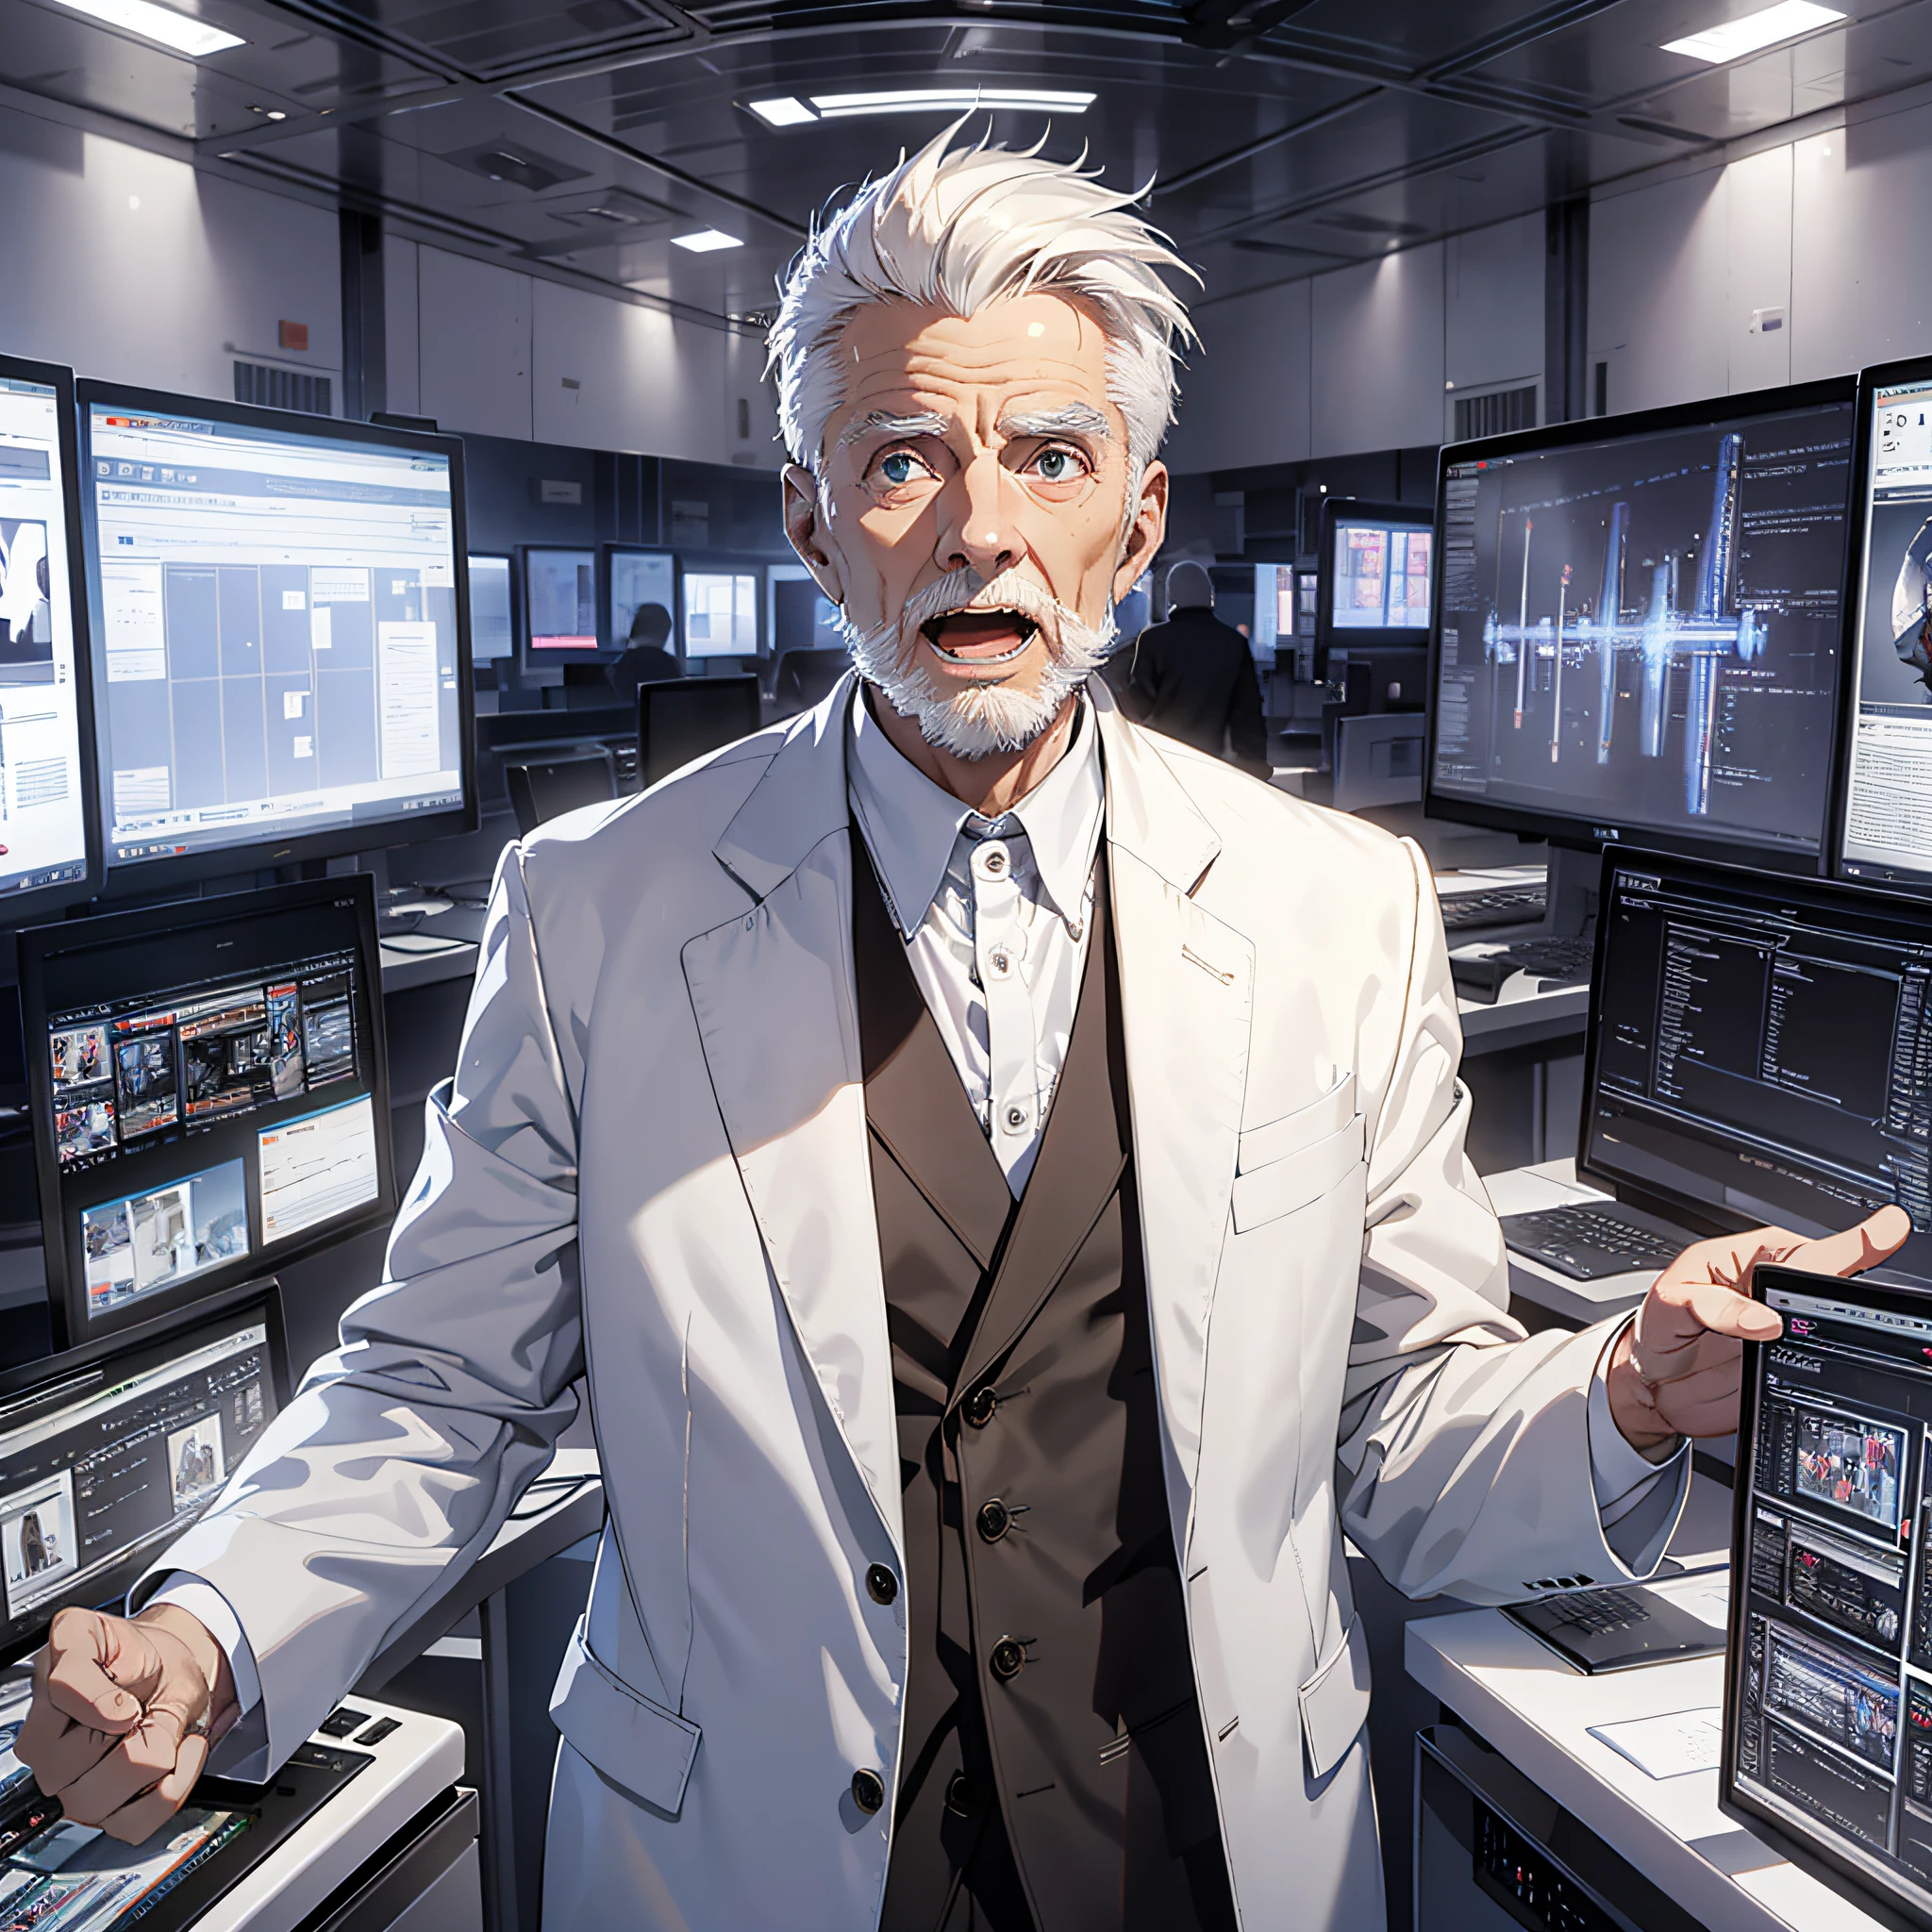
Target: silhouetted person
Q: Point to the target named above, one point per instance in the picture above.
(647, 660)
(1194, 679)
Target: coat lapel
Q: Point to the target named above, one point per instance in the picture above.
(1186, 991)
(773, 995)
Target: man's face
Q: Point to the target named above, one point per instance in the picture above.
(984, 450)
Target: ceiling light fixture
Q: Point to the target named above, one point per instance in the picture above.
(949, 100)
(705, 240)
(1734, 39)
(180, 32)
(782, 112)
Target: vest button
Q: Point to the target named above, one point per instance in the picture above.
(959, 1794)
(868, 1791)
(981, 1406)
(996, 1518)
(1008, 1658)
(880, 1584)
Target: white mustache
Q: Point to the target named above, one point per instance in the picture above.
(966, 589)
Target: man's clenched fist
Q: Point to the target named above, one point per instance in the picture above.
(124, 1713)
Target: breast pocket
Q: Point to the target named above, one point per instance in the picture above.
(1297, 1158)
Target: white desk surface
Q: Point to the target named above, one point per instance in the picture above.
(1537, 1711)
(1553, 1184)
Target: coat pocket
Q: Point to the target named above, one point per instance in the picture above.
(1335, 1702)
(633, 1742)
(1299, 1129)
(1262, 1194)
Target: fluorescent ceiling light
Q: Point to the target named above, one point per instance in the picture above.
(181, 32)
(782, 112)
(1754, 31)
(949, 100)
(705, 240)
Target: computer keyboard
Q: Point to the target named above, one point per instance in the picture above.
(1503, 906)
(1587, 1240)
(1566, 959)
(1614, 1629)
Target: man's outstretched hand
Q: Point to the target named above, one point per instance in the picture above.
(124, 1713)
(1676, 1368)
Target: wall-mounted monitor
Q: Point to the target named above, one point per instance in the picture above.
(492, 609)
(560, 604)
(283, 669)
(721, 612)
(1639, 633)
(640, 604)
(48, 848)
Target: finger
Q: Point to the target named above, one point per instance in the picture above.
(1729, 1313)
(137, 1764)
(61, 1752)
(138, 1822)
(1718, 1383)
(1874, 1238)
(79, 1687)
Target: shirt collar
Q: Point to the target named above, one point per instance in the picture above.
(911, 826)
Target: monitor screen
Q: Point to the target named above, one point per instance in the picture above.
(281, 655)
(643, 594)
(721, 614)
(1887, 833)
(208, 1094)
(1639, 632)
(104, 1464)
(1828, 1671)
(43, 846)
(491, 633)
(1381, 575)
(1275, 609)
(560, 597)
(1760, 1050)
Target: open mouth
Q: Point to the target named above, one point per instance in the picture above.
(975, 638)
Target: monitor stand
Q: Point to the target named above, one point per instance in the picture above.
(1570, 892)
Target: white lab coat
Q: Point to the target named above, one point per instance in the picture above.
(651, 1168)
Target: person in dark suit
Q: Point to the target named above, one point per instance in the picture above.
(646, 660)
(1194, 679)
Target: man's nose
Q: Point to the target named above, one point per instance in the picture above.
(979, 532)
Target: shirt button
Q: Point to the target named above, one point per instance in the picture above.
(1008, 1658)
(996, 1518)
(993, 859)
(868, 1791)
(880, 1584)
(959, 1794)
(1000, 962)
(981, 1406)
(1015, 1118)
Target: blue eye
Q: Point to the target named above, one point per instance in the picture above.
(897, 467)
(1054, 466)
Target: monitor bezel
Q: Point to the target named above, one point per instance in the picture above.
(243, 856)
(19, 1387)
(529, 657)
(1818, 1859)
(508, 559)
(1337, 511)
(1579, 833)
(1699, 1217)
(67, 1310)
(39, 901)
(606, 553)
(1871, 380)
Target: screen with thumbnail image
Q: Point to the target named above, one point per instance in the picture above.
(213, 1096)
(1828, 1683)
(1381, 575)
(721, 614)
(560, 599)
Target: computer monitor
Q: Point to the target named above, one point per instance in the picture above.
(560, 604)
(109, 1453)
(677, 723)
(1885, 825)
(209, 1092)
(640, 597)
(1827, 1714)
(492, 609)
(282, 668)
(1760, 1051)
(1638, 636)
(1275, 609)
(49, 848)
(721, 611)
(1373, 577)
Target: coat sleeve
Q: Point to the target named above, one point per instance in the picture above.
(1464, 1464)
(405, 1450)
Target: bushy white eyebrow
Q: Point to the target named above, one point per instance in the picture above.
(1076, 419)
(885, 423)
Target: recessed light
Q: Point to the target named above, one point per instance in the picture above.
(1734, 39)
(949, 100)
(782, 112)
(180, 32)
(705, 240)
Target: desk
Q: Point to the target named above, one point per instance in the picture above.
(1537, 1711)
(1554, 1184)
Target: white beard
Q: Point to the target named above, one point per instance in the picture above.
(983, 719)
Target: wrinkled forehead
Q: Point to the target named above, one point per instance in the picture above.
(1020, 355)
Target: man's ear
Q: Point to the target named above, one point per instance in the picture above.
(804, 526)
(1146, 528)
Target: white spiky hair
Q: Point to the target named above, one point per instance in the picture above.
(965, 226)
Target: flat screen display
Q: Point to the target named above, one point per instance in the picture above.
(1382, 576)
(208, 1092)
(1639, 627)
(721, 614)
(560, 597)
(492, 636)
(43, 841)
(280, 652)
(1887, 832)
(643, 595)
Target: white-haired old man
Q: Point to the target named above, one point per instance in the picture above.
(1001, 1174)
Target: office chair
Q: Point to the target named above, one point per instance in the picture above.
(805, 677)
(681, 721)
(547, 789)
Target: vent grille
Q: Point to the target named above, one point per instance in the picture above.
(1496, 414)
(282, 389)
